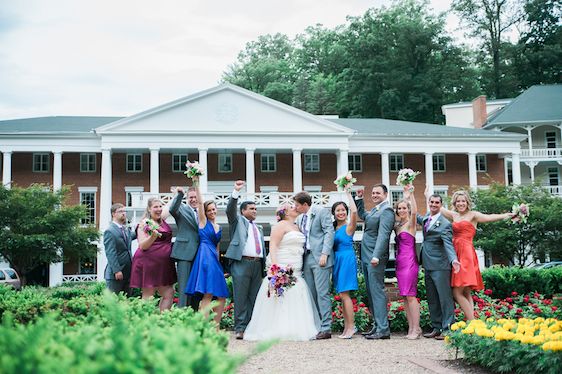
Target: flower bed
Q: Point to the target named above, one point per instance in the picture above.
(510, 345)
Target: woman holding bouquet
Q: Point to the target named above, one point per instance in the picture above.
(284, 311)
(407, 266)
(465, 221)
(207, 275)
(152, 268)
(345, 263)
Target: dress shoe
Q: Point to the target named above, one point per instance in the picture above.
(324, 335)
(370, 332)
(432, 334)
(239, 335)
(439, 337)
(377, 336)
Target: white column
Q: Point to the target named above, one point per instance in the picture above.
(530, 139)
(7, 169)
(297, 170)
(154, 170)
(56, 269)
(429, 173)
(516, 169)
(472, 178)
(531, 165)
(505, 169)
(250, 171)
(203, 162)
(385, 173)
(343, 163)
(105, 207)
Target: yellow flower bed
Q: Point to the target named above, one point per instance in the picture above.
(546, 333)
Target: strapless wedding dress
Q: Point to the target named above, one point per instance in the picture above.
(292, 316)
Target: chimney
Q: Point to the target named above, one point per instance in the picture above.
(479, 112)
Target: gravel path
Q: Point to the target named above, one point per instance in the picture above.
(354, 356)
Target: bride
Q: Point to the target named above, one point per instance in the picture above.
(292, 316)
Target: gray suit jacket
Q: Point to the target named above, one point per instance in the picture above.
(118, 251)
(187, 237)
(239, 232)
(437, 251)
(376, 233)
(321, 233)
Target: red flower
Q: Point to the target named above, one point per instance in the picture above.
(554, 309)
(514, 293)
(333, 314)
(526, 299)
(509, 306)
(537, 311)
(488, 313)
(488, 292)
(400, 308)
(509, 299)
(519, 311)
(362, 305)
(337, 298)
(355, 309)
(457, 311)
(354, 301)
(176, 300)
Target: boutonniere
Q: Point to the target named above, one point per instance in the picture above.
(436, 224)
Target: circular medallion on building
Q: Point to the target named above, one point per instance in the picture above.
(226, 113)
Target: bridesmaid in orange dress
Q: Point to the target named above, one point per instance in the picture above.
(465, 221)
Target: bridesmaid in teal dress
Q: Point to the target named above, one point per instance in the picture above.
(345, 264)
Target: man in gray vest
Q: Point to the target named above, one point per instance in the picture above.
(437, 256)
(117, 242)
(374, 256)
(247, 254)
(316, 224)
(187, 241)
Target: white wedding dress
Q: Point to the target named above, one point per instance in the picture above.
(292, 316)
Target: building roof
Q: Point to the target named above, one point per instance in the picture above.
(539, 104)
(54, 125)
(392, 128)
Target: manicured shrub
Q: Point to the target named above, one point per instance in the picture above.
(505, 280)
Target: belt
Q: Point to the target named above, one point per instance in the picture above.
(250, 258)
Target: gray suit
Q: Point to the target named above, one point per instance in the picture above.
(247, 275)
(185, 246)
(321, 242)
(437, 255)
(117, 245)
(376, 238)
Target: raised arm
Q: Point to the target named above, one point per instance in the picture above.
(449, 214)
(483, 218)
(176, 201)
(360, 205)
(352, 215)
(409, 195)
(200, 206)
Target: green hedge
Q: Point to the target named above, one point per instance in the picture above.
(505, 280)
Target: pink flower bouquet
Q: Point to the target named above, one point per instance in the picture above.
(520, 213)
(280, 280)
(193, 169)
(345, 182)
(150, 227)
(406, 177)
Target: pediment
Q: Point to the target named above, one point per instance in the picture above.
(221, 110)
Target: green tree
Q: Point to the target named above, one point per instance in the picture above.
(37, 227)
(515, 243)
(490, 21)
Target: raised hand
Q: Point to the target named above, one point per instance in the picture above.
(360, 193)
(239, 184)
(179, 189)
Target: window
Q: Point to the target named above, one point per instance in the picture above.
(178, 163)
(553, 177)
(481, 163)
(268, 162)
(11, 273)
(439, 162)
(134, 162)
(312, 162)
(129, 197)
(41, 162)
(354, 163)
(88, 199)
(225, 163)
(396, 162)
(87, 162)
(442, 191)
(395, 196)
(550, 139)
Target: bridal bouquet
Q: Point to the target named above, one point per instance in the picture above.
(345, 182)
(150, 227)
(193, 169)
(520, 213)
(406, 177)
(280, 280)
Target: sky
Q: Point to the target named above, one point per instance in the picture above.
(121, 57)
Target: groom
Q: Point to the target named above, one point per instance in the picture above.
(247, 254)
(316, 224)
(117, 242)
(437, 256)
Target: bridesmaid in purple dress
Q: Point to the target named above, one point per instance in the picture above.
(152, 269)
(407, 266)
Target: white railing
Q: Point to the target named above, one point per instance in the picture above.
(80, 278)
(555, 190)
(542, 153)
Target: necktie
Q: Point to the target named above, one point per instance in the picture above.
(196, 215)
(124, 234)
(427, 224)
(304, 230)
(256, 238)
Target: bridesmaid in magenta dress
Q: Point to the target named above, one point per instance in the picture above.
(407, 266)
(152, 268)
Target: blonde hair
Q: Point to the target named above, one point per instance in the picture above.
(458, 194)
(149, 205)
(408, 205)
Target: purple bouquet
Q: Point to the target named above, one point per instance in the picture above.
(280, 280)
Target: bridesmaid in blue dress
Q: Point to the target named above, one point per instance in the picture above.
(207, 275)
(345, 264)
(407, 266)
